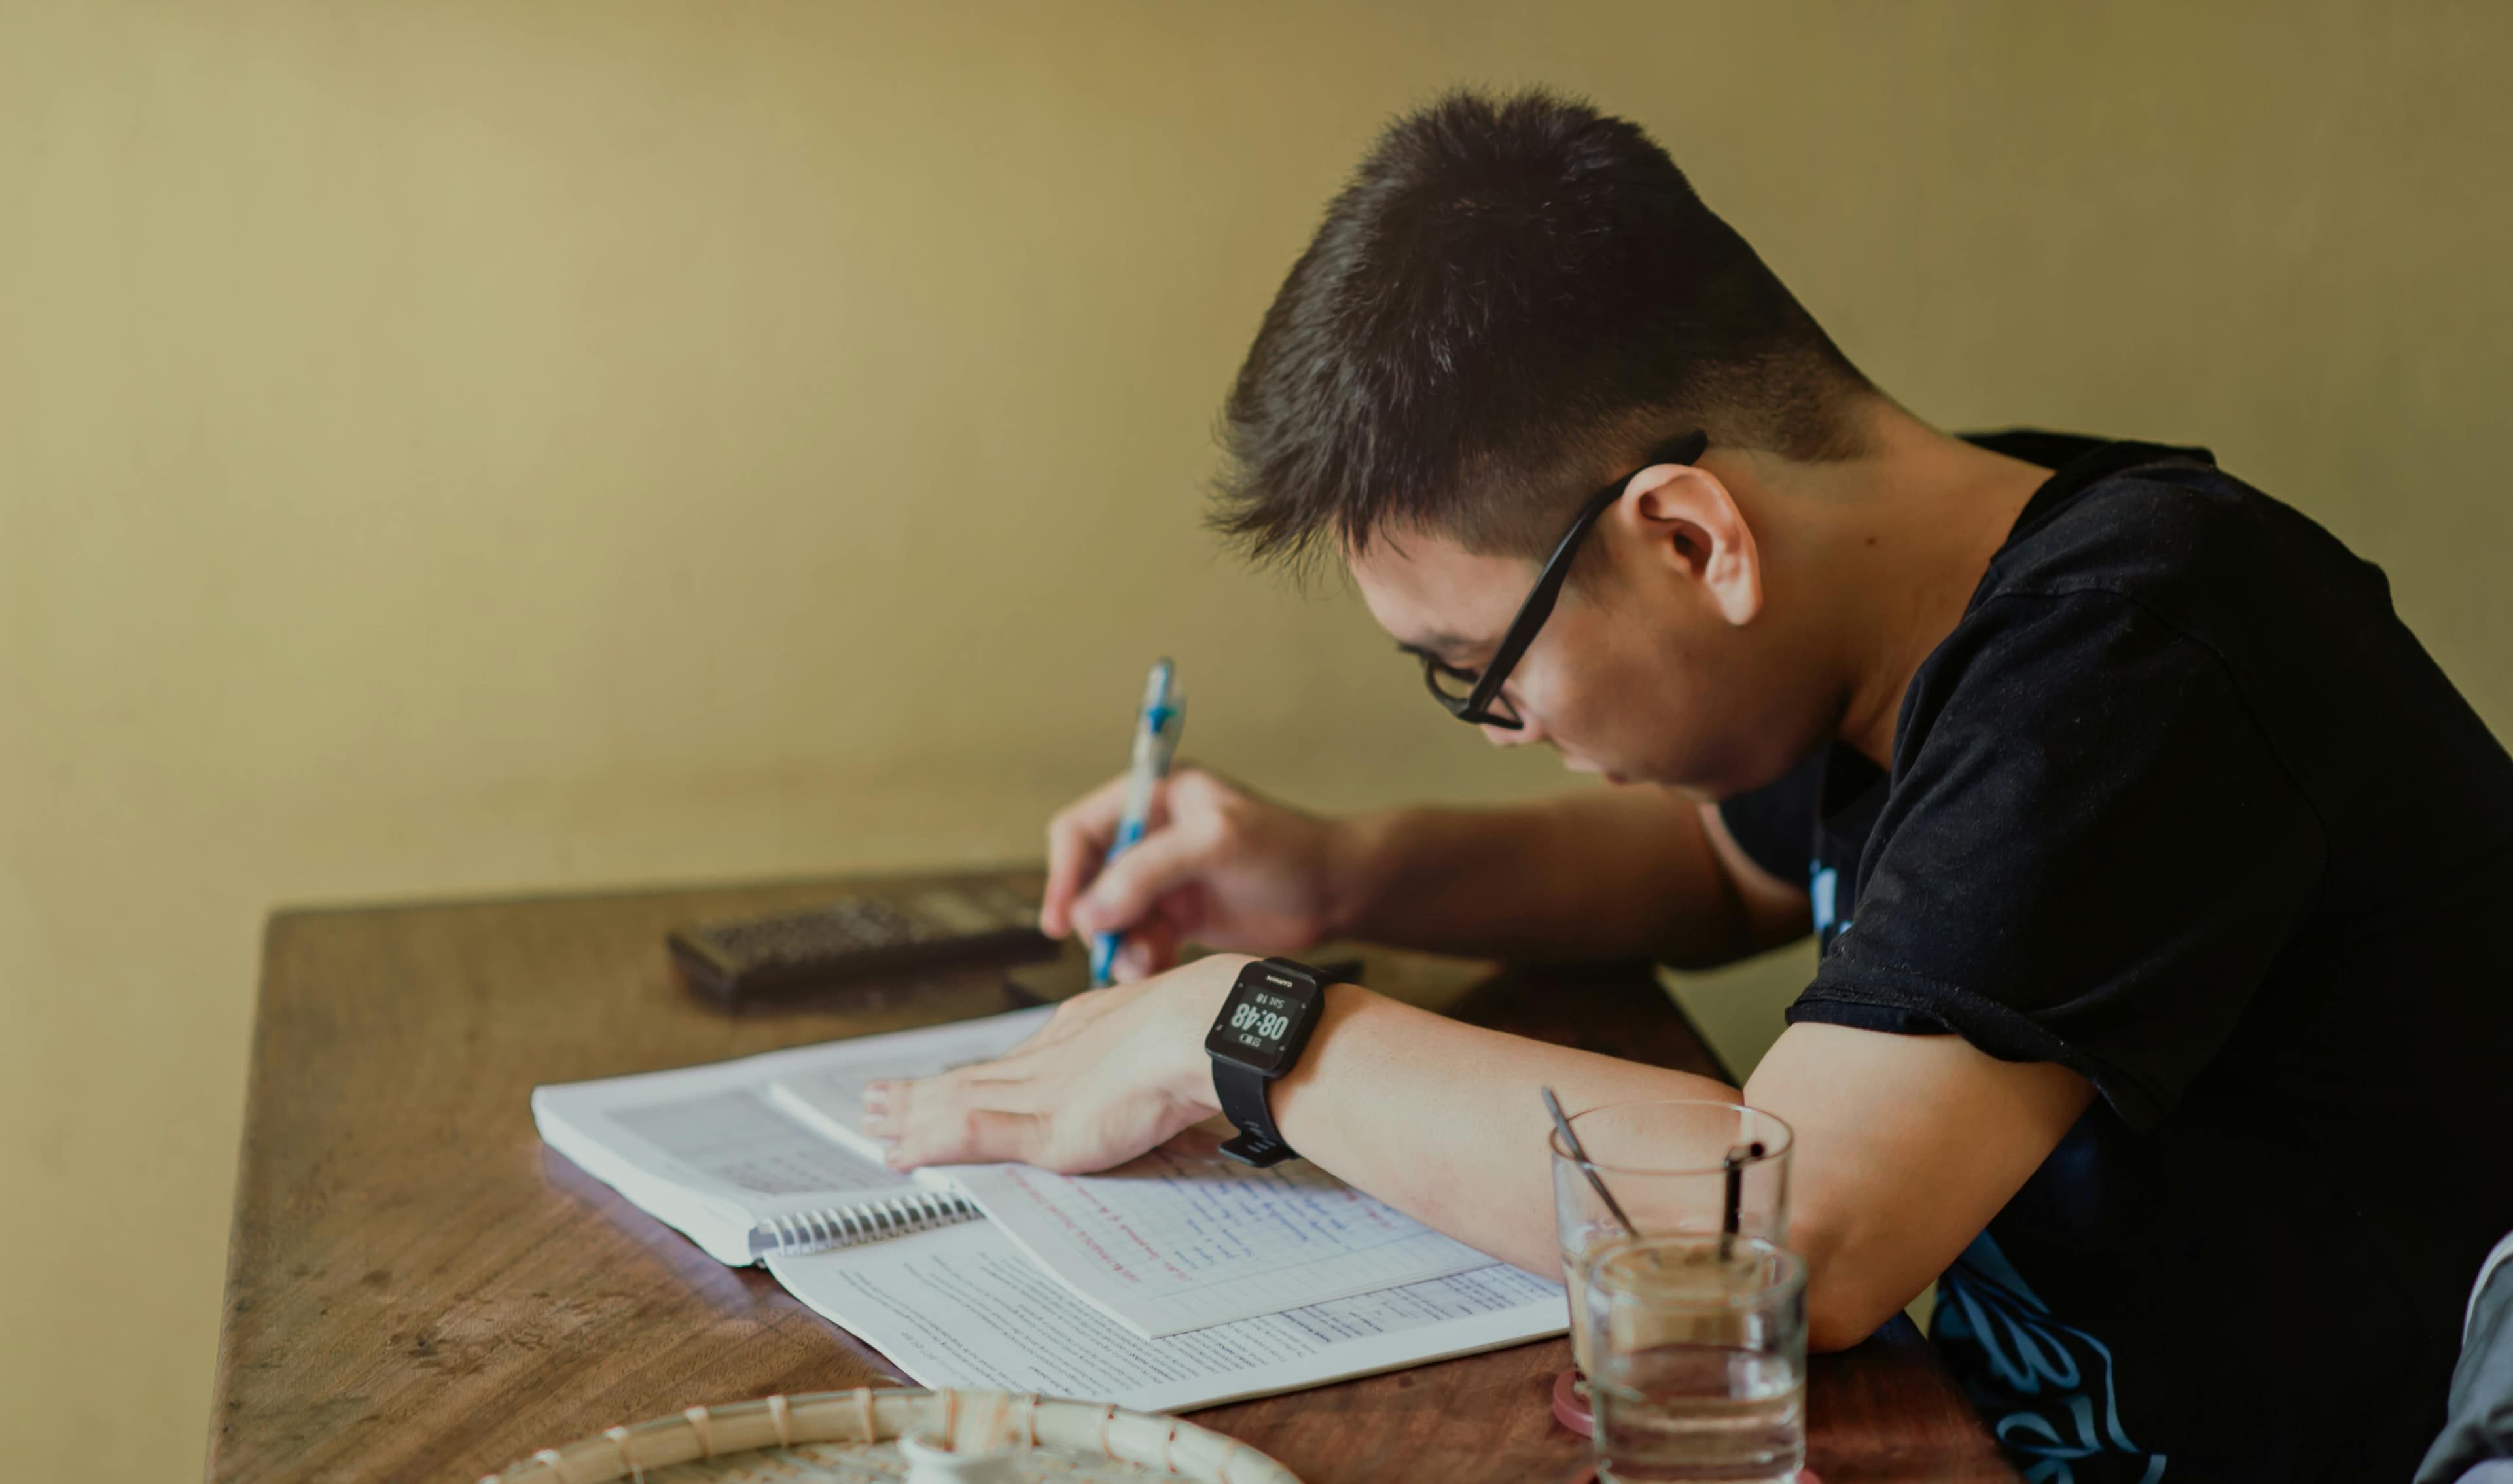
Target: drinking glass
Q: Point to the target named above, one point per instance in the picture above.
(1700, 1368)
(1665, 1163)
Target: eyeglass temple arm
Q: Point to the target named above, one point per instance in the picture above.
(1538, 606)
(1531, 613)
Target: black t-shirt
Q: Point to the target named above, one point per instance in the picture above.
(2181, 804)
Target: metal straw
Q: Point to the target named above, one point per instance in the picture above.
(1580, 1157)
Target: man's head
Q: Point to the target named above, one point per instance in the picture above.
(1512, 302)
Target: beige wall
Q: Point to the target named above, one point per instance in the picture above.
(452, 448)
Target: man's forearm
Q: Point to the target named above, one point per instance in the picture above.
(1903, 1146)
(1443, 1120)
(1602, 874)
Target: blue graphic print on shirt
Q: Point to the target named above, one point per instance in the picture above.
(1823, 888)
(2043, 1386)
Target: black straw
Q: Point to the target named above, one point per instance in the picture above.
(1580, 1157)
(1736, 1163)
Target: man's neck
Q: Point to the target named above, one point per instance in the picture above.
(1919, 520)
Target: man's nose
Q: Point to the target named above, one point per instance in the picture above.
(1528, 731)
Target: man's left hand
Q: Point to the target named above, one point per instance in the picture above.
(1116, 1072)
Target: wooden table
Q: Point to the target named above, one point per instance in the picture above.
(417, 1289)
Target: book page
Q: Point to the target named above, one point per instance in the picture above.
(963, 1307)
(719, 1127)
(826, 1091)
(711, 1131)
(1185, 1237)
(739, 1137)
(709, 1149)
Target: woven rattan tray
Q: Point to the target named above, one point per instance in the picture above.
(851, 1437)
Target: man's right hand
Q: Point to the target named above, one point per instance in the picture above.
(1216, 863)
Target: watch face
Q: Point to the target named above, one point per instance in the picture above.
(1262, 1021)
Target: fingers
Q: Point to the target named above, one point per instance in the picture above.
(1152, 948)
(1076, 840)
(1125, 892)
(977, 1137)
(918, 1114)
(949, 1121)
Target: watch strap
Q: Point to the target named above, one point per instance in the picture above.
(1242, 1093)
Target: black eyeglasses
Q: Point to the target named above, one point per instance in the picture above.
(1472, 698)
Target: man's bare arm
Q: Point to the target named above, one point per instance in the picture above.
(1626, 872)
(1905, 1145)
(1601, 873)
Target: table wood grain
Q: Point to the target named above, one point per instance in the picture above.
(417, 1289)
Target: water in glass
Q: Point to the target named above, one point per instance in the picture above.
(1699, 1411)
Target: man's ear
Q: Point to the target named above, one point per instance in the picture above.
(1689, 521)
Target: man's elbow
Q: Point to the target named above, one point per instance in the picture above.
(1859, 1277)
(1845, 1306)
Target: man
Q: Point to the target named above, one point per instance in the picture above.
(2152, 859)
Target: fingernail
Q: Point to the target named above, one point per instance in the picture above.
(895, 1157)
(875, 1120)
(876, 1097)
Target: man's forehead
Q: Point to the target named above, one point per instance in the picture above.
(1433, 593)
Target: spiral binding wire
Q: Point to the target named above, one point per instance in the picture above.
(871, 1220)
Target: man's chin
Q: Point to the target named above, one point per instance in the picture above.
(1615, 776)
(1621, 780)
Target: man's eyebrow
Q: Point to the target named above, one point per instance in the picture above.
(1433, 646)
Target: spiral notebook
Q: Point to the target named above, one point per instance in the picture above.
(765, 1156)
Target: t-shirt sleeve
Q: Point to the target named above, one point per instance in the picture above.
(2092, 855)
(1775, 824)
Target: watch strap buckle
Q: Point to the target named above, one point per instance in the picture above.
(1254, 1150)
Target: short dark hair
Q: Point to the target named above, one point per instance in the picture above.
(1510, 292)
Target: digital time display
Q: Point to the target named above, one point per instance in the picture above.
(1269, 1023)
(1261, 1021)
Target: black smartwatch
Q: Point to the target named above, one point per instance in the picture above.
(1257, 1039)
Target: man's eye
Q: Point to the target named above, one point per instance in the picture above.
(1449, 675)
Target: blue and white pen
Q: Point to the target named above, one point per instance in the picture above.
(1156, 736)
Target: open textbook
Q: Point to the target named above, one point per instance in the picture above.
(1177, 1280)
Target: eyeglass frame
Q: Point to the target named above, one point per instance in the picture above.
(1475, 706)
